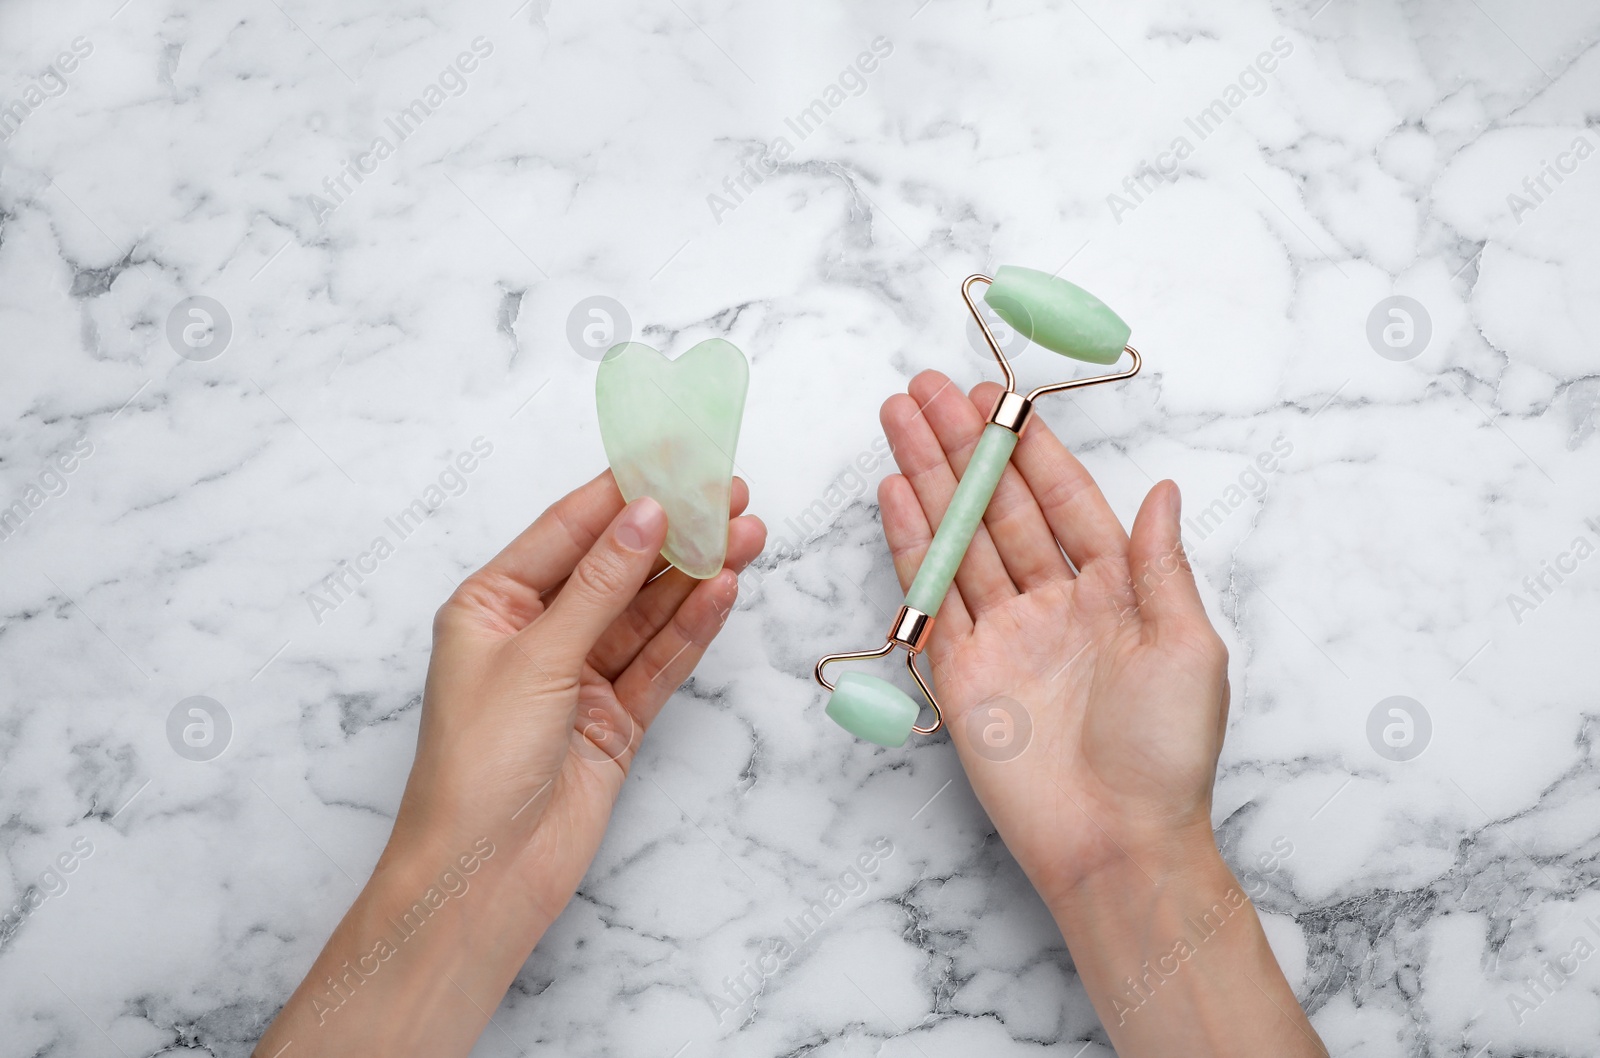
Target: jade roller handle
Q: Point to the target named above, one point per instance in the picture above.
(876, 709)
(961, 519)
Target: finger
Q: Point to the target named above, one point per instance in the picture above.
(660, 599)
(603, 583)
(509, 586)
(1021, 536)
(1072, 503)
(738, 500)
(669, 658)
(982, 577)
(1162, 579)
(906, 530)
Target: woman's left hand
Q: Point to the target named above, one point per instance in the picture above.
(548, 666)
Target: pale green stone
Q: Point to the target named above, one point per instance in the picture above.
(960, 521)
(1061, 316)
(670, 428)
(873, 709)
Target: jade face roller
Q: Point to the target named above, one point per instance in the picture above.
(1050, 312)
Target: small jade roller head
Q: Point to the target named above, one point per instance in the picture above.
(1050, 312)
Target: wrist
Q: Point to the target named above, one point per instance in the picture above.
(467, 880)
(1173, 956)
(427, 946)
(1182, 858)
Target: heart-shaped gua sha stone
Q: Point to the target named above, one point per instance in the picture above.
(670, 428)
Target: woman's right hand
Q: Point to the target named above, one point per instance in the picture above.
(1088, 703)
(1088, 700)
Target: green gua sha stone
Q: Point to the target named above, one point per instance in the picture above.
(1061, 316)
(670, 428)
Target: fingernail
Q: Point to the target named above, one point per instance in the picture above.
(640, 524)
(1174, 502)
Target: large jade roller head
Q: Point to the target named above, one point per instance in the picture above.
(1062, 317)
(1049, 312)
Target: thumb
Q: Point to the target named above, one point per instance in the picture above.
(1162, 579)
(604, 581)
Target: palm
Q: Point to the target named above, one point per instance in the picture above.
(569, 823)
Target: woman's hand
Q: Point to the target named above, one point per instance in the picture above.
(549, 664)
(1088, 700)
(1088, 703)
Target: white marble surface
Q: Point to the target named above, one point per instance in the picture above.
(372, 340)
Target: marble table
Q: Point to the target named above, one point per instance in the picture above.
(269, 269)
